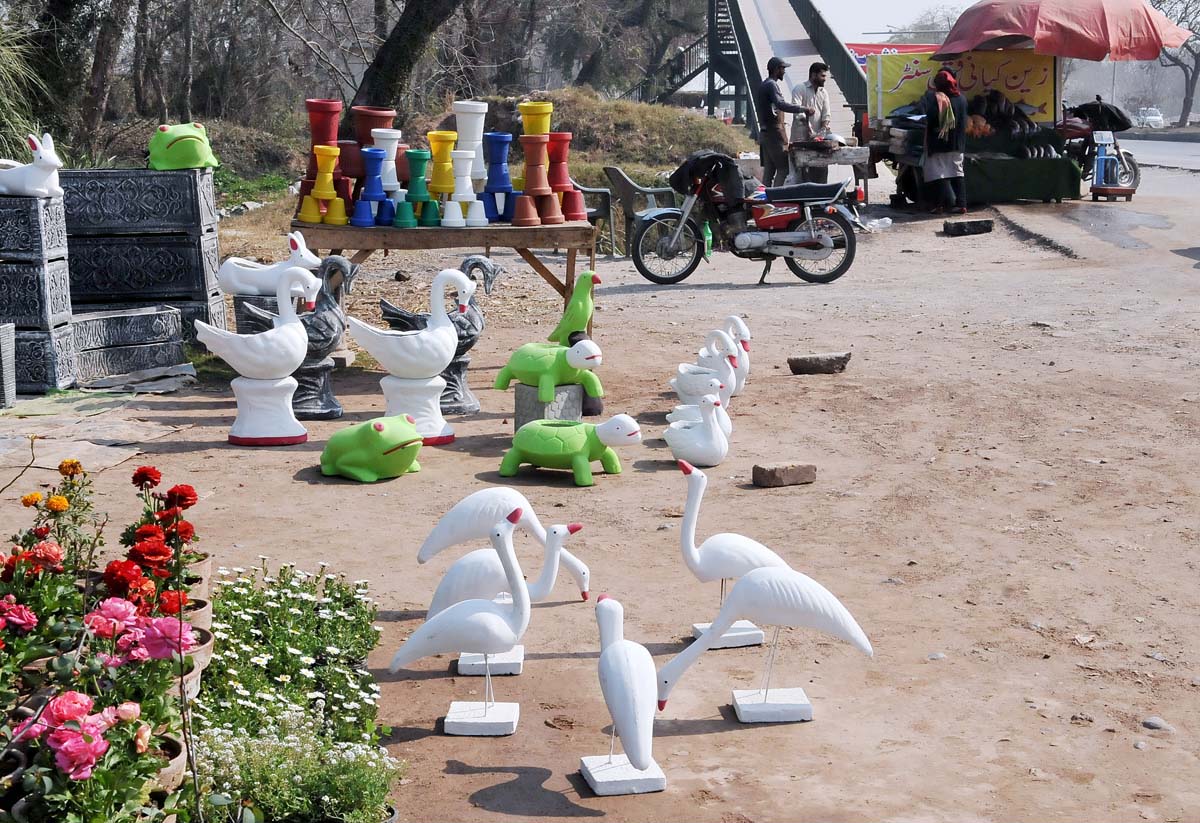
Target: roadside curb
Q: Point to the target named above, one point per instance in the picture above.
(1165, 137)
(1025, 233)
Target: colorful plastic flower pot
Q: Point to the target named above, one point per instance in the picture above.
(549, 210)
(310, 210)
(367, 118)
(388, 140)
(385, 214)
(462, 161)
(452, 216)
(537, 182)
(323, 117)
(405, 217)
(418, 162)
(535, 116)
(496, 145)
(468, 119)
(526, 212)
(441, 143)
(476, 215)
(335, 212)
(350, 158)
(430, 215)
(557, 148)
(573, 206)
(402, 171)
(327, 157)
(364, 216)
(372, 189)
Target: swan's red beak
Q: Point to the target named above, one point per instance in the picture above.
(733, 361)
(462, 308)
(584, 595)
(718, 403)
(599, 599)
(662, 704)
(310, 305)
(746, 345)
(572, 528)
(685, 467)
(514, 516)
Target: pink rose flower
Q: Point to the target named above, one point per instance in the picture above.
(113, 661)
(77, 752)
(29, 730)
(130, 645)
(129, 711)
(21, 616)
(111, 617)
(66, 707)
(165, 636)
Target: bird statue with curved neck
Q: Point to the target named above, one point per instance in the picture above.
(691, 380)
(682, 414)
(773, 596)
(628, 683)
(700, 442)
(481, 627)
(736, 328)
(578, 312)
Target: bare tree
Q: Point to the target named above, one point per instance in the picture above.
(1186, 58)
(930, 26)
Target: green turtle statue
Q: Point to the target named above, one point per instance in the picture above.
(182, 146)
(546, 365)
(380, 448)
(578, 313)
(565, 444)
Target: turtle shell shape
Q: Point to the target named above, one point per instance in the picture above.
(552, 438)
(534, 357)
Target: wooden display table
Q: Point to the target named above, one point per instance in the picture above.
(573, 237)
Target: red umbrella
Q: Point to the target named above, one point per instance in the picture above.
(1087, 29)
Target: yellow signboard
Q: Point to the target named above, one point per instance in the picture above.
(896, 80)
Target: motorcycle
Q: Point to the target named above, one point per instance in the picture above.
(1078, 127)
(810, 225)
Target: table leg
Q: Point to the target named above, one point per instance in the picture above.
(570, 284)
(539, 267)
(361, 255)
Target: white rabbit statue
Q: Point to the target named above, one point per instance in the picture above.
(36, 179)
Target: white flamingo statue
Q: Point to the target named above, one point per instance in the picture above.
(776, 596)
(627, 680)
(736, 328)
(721, 557)
(483, 627)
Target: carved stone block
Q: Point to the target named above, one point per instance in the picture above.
(211, 310)
(8, 365)
(127, 327)
(100, 363)
(139, 201)
(114, 269)
(35, 295)
(45, 360)
(32, 229)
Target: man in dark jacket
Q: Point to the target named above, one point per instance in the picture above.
(772, 132)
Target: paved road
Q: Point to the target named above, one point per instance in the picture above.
(1164, 153)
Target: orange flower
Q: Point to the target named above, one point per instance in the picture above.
(170, 602)
(70, 468)
(32, 499)
(58, 504)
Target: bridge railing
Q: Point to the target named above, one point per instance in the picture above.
(833, 51)
(749, 67)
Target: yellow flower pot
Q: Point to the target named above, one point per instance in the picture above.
(441, 143)
(535, 116)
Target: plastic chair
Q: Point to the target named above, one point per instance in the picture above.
(628, 193)
(603, 212)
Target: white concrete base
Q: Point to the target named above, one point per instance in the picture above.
(472, 719)
(509, 662)
(618, 776)
(421, 398)
(780, 706)
(264, 413)
(742, 633)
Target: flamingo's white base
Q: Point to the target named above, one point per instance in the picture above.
(509, 662)
(264, 413)
(616, 775)
(473, 719)
(421, 398)
(779, 706)
(742, 633)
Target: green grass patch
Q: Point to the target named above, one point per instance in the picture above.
(232, 188)
(210, 369)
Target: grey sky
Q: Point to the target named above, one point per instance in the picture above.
(850, 18)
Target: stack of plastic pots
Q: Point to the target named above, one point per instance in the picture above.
(441, 143)
(498, 199)
(468, 117)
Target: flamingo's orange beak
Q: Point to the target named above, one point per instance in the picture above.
(572, 528)
(514, 516)
(746, 345)
(662, 704)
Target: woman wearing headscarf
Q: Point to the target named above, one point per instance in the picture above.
(945, 111)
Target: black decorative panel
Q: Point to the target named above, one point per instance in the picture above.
(32, 229)
(126, 327)
(114, 269)
(100, 363)
(139, 201)
(45, 360)
(35, 295)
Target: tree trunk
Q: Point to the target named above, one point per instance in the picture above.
(1189, 94)
(141, 36)
(185, 103)
(58, 56)
(108, 44)
(470, 81)
(381, 19)
(384, 81)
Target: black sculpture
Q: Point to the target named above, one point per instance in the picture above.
(457, 397)
(314, 398)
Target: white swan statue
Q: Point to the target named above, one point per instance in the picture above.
(238, 275)
(424, 353)
(480, 574)
(691, 381)
(736, 328)
(773, 596)
(685, 414)
(701, 443)
(277, 352)
(473, 517)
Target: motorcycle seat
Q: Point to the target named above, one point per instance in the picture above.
(818, 192)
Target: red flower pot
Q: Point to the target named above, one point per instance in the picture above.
(525, 213)
(403, 174)
(549, 210)
(351, 158)
(371, 117)
(573, 207)
(323, 123)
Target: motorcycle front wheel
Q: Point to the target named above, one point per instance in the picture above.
(840, 256)
(1129, 175)
(660, 261)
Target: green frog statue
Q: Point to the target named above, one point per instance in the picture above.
(182, 146)
(377, 449)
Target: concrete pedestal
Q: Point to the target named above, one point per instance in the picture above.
(567, 404)
(742, 633)
(510, 662)
(616, 775)
(772, 706)
(421, 398)
(264, 416)
(473, 719)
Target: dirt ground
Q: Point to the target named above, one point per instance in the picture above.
(1007, 477)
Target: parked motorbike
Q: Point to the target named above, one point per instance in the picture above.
(1078, 127)
(809, 225)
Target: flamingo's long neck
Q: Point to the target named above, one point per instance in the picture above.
(691, 513)
(287, 303)
(539, 590)
(612, 626)
(519, 619)
(531, 522)
(677, 665)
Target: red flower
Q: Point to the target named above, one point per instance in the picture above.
(27, 559)
(170, 602)
(182, 495)
(151, 553)
(168, 514)
(147, 477)
(148, 532)
(41, 532)
(123, 578)
(47, 553)
(182, 529)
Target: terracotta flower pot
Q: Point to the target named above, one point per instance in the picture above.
(322, 123)
(402, 171)
(560, 176)
(198, 613)
(350, 158)
(371, 117)
(197, 587)
(549, 210)
(170, 776)
(191, 683)
(202, 654)
(526, 212)
(573, 206)
(202, 567)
